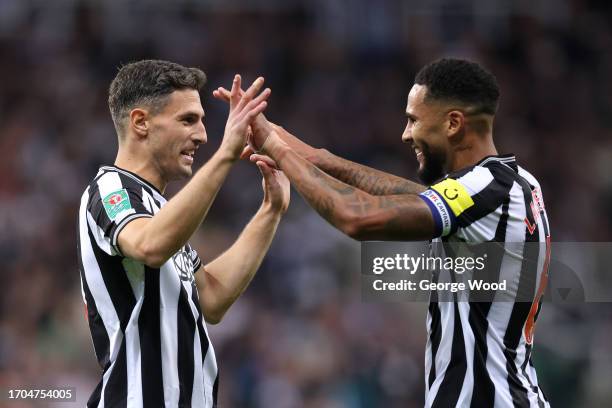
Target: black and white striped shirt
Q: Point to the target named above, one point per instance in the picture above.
(479, 353)
(146, 324)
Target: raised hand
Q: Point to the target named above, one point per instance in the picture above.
(302, 148)
(260, 127)
(244, 108)
(277, 192)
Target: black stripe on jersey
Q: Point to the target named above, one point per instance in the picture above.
(150, 342)
(96, 208)
(115, 392)
(186, 327)
(216, 390)
(116, 282)
(122, 297)
(483, 394)
(517, 390)
(96, 395)
(204, 343)
(534, 388)
(435, 336)
(490, 198)
(449, 390)
(520, 311)
(99, 335)
(540, 403)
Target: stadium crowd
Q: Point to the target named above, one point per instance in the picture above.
(340, 71)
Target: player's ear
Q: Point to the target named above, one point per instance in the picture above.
(139, 122)
(456, 122)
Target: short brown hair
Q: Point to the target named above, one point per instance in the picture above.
(148, 83)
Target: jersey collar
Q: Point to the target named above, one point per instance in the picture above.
(507, 159)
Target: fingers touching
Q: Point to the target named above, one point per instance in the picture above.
(257, 158)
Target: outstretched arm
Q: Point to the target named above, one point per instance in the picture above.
(357, 213)
(224, 279)
(365, 178)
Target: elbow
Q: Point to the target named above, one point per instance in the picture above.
(213, 316)
(353, 226)
(152, 257)
(359, 228)
(357, 233)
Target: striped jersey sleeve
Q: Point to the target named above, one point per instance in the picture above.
(463, 198)
(114, 201)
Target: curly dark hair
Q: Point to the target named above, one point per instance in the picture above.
(458, 80)
(148, 83)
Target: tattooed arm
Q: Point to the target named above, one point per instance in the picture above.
(365, 178)
(361, 215)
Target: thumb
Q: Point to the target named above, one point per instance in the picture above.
(264, 169)
(246, 152)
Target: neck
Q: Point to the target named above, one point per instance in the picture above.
(472, 151)
(142, 167)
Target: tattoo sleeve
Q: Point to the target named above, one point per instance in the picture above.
(355, 212)
(365, 178)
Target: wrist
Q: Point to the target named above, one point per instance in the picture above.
(226, 154)
(271, 211)
(318, 156)
(274, 147)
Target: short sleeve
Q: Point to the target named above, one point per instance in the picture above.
(114, 201)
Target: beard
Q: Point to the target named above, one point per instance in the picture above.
(432, 168)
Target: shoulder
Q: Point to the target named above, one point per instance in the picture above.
(528, 176)
(474, 178)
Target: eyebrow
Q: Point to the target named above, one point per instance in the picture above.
(191, 114)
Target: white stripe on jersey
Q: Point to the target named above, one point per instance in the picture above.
(98, 290)
(476, 180)
(468, 337)
(443, 354)
(168, 302)
(135, 274)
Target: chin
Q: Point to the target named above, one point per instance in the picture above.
(181, 173)
(186, 172)
(428, 175)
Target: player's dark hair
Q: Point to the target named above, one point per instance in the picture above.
(458, 80)
(148, 83)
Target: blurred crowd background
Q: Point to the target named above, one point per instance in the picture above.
(340, 71)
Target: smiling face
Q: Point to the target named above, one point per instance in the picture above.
(426, 132)
(174, 134)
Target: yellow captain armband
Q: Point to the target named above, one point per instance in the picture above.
(455, 195)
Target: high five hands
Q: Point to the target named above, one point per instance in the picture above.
(262, 134)
(246, 118)
(244, 108)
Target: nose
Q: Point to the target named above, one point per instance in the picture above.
(407, 135)
(200, 137)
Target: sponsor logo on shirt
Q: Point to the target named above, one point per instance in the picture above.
(116, 202)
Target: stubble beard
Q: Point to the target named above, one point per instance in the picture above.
(433, 165)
